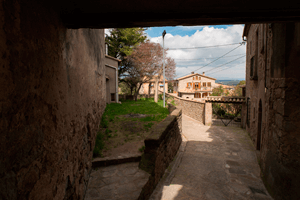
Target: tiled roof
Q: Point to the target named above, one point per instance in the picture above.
(190, 75)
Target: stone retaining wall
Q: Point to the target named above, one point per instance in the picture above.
(192, 108)
(160, 149)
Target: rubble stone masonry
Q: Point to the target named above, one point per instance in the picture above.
(51, 101)
(276, 47)
(192, 108)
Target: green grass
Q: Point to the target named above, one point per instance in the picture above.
(143, 106)
(142, 149)
(113, 119)
(99, 146)
(148, 126)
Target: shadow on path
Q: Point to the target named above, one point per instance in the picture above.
(218, 163)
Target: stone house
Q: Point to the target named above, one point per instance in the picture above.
(111, 76)
(194, 86)
(271, 112)
(149, 86)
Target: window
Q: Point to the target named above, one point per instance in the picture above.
(189, 84)
(204, 84)
(196, 77)
(112, 96)
(197, 85)
(209, 84)
(197, 95)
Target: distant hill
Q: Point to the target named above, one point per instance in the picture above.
(228, 82)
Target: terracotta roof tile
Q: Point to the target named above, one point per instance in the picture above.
(190, 75)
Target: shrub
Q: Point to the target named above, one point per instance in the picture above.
(142, 149)
(99, 145)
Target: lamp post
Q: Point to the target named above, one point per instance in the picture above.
(163, 35)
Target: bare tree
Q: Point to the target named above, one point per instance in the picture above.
(145, 60)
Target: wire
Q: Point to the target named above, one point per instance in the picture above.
(241, 43)
(226, 63)
(210, 58)
(218, 58)
(225, 68)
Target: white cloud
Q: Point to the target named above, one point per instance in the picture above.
(208, 36)
(107, 31)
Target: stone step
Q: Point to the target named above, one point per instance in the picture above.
(107, 161)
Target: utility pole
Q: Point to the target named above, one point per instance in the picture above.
(163, 35)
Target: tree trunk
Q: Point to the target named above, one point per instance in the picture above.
(156, 90)
(149, 90)
(137, 92)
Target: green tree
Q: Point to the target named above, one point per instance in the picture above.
(218, 91)
(238, 90)
(121, 42)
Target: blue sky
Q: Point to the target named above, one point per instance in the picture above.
(178, 30)
(188, 60)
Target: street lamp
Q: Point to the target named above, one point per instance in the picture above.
(163, 35)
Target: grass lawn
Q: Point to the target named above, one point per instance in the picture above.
(128, 122)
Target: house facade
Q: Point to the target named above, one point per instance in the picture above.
(194, 86)
(111, 79)
(149, 86)
(271, 112)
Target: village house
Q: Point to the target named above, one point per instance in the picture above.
(271, 111)
(194, 86)
(111, 77)
(148, 88)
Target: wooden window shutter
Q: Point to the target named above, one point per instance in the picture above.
(187, 84)
(193, 78)
(193, 85)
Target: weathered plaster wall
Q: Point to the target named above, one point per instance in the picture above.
(145, 87)
(279, 50)
(51, 102)
(111, 73)
(208, 114)
(187, 96)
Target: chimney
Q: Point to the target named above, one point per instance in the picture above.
(203, 73)
(192, 72)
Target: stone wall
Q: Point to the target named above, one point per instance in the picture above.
(192, 108)
(51, 102)
(276, 133)
(160, 149)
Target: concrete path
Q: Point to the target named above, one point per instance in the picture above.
(116, 182)
(217, 163)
